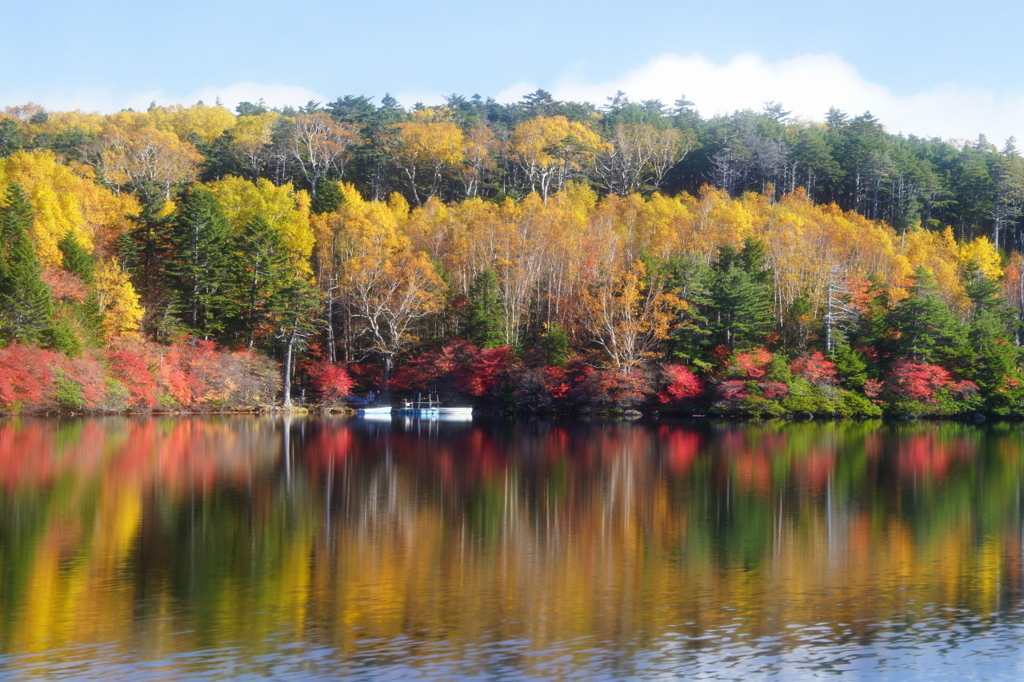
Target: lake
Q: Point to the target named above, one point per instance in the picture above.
(238, 547)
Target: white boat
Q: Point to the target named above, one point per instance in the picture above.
(431, 407)
(374, 410)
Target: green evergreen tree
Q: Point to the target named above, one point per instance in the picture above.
(80, 262)
(76, 258)
(483, 320)
(26, 307)
(259, 275)
(925, 329)
(741, 296)
(198, 263)
(144, 248)
(690, 337)
(328, 198)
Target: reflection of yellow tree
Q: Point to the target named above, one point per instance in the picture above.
(559, 538)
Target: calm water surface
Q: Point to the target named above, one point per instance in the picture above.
(265, 548)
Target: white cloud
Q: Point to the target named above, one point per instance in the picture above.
(807, 86)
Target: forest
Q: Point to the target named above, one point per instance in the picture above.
(540, 256)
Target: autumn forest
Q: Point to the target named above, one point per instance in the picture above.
(535, 257)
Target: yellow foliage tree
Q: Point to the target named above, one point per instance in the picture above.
(137, 158)
(551, 148)
(431, 145)
(626, 313)
(118, 301)
(67, 199)
(250, 145)
(198, 121)
(386, 285)
(286, 210)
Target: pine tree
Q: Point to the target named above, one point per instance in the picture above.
(926, 330)
(259, 274)
(80, 262)
(483, 325)
(198, 262)
(328, 198)
(741, 296)
(76, 258)
(26, 307)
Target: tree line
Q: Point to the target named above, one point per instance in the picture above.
(567, 262)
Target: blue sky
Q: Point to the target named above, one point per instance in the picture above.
(928, 68)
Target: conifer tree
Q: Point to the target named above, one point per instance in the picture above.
(926, 330)
(260, 264)
(80, 262)
(198, 263)
(741, 296)
(26, 307)
(483, 325)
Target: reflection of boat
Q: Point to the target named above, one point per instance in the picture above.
(455, 412)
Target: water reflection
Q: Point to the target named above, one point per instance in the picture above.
(293, 548)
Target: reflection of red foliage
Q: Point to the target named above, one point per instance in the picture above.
(816, 368)
(753, 363)
(926, 455)
(682, 384)
(916, 380)
(681, 446)
(331, 381)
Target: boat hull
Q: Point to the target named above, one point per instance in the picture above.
(375, 411)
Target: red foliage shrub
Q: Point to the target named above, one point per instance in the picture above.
(682, 384)
(458, 366)
(730, 392)
(816, 368)
(365, 375)
(87, 373)
(609, 388)
(26, 377)
(872, 388)
(557, 381)
(774, 390)
(428, 370)
(962, 390)
(133, 371)
(916, 380)
(331, 381)
(721, 354)
(485, 371)
(753, 363)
